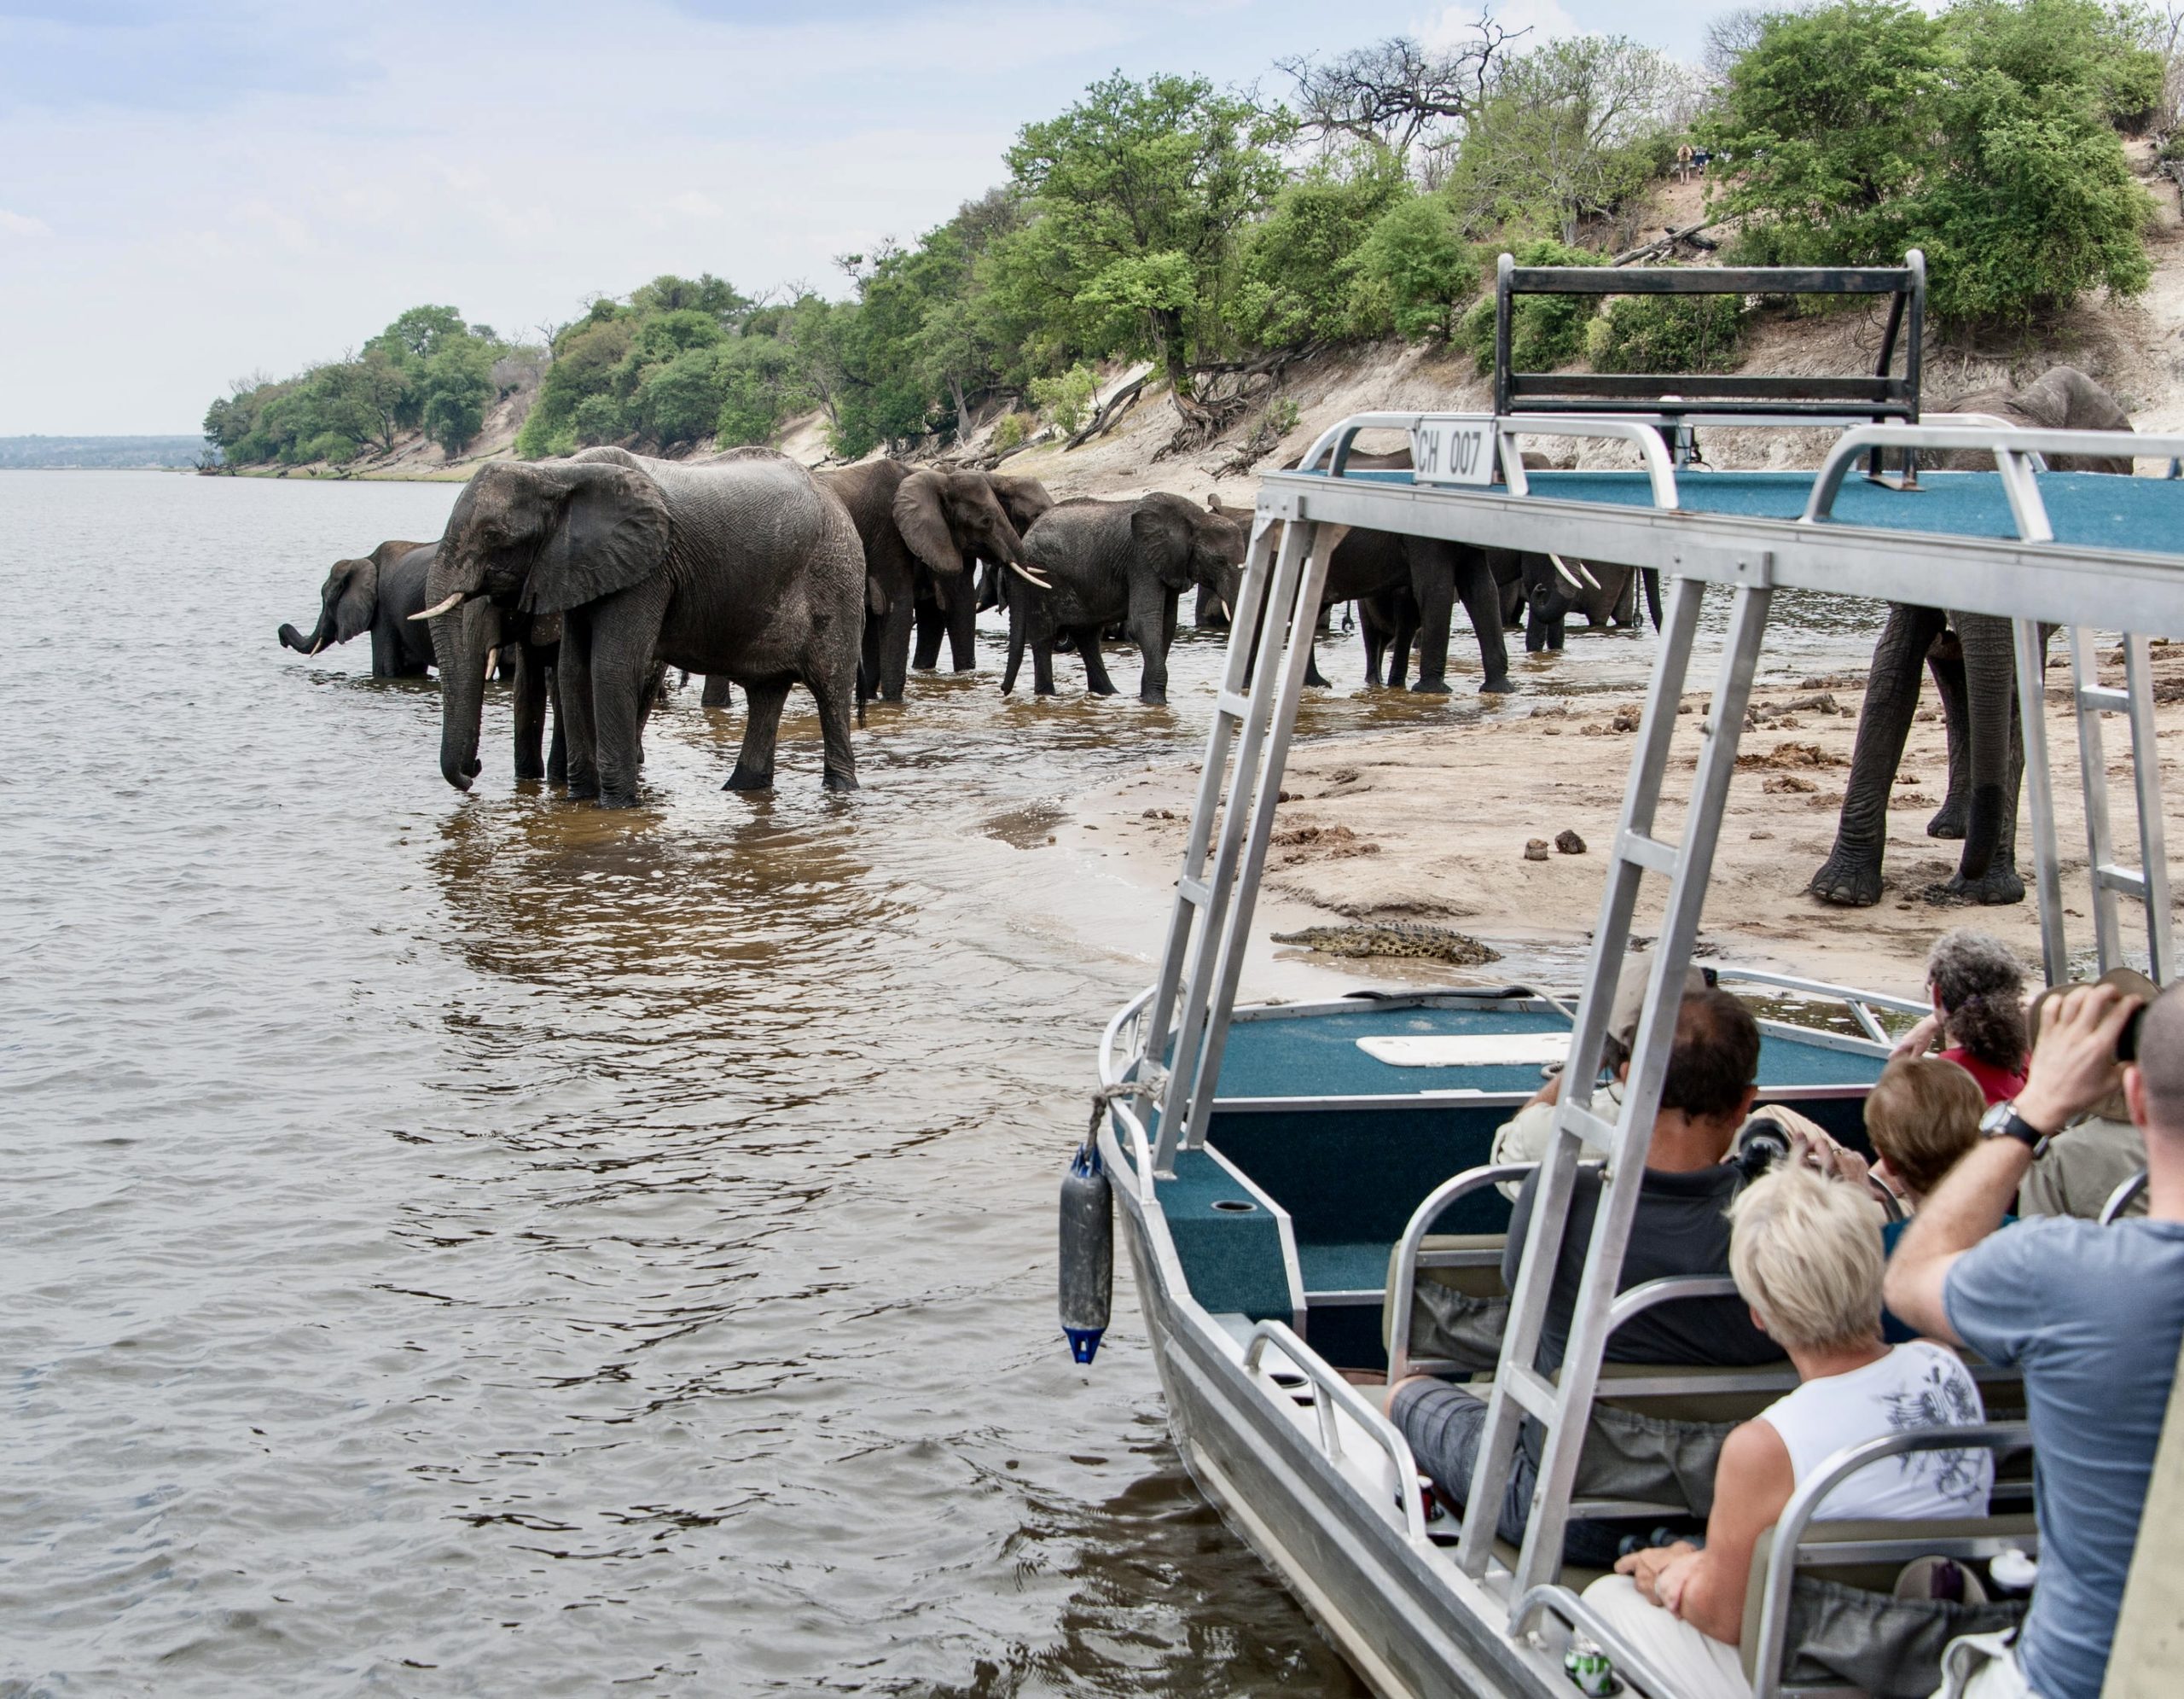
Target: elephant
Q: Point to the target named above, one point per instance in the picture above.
(1972, 658)
(907, 520)
(744, 566)
(1387, 623)
(1550, 589)
(377, 593)
(1109, 561)
(1436, 575)
(947, 607)
(529, 645)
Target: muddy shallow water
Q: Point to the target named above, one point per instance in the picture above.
(482, 1244)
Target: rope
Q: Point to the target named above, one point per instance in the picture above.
(1152, 1081)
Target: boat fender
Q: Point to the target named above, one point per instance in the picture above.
(1087, 1251)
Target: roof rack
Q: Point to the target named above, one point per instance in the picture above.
(1680, 399)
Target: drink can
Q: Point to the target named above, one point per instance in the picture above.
(1589, 1669)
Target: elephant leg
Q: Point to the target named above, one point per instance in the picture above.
(1945, 660)
(894, 661)
(1473, 582)
(1432, 585)
(1312, 674)
(1399, 646)
(1850, 875)
(1096, 681)
(1987, 871)
(1376, 645)
(718, 692)
(962, 612)
(761, 725)
(530, 712)
(1043, 668)
(575, 702)
(625, 678)
(1150, 629)
(833, 696)
(931, 623)
(387, 654)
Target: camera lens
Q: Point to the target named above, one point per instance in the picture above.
(2127, 1041)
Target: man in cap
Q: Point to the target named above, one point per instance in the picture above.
(1681, 1228)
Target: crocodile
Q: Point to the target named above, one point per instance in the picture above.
(1394, 938)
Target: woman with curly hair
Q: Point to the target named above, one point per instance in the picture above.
(1978, 986)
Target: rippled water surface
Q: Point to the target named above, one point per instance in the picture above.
(486, 1245)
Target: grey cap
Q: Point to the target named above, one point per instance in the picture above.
(1630, 994)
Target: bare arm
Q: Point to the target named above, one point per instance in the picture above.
(1751, 1484)
(2073, 1068)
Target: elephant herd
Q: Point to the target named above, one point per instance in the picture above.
(585, 579)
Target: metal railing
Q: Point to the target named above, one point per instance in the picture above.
(1860, 1003)
(1407, 1252)
(1556, 1600)
(2003, 1439)
(2120, 1199)
(1330, 1393)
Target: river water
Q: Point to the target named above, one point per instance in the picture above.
(480, 1244)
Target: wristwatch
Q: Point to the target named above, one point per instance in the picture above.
(2003, 1121)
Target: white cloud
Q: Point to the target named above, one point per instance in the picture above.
(20, 226)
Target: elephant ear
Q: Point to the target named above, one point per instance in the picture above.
(358, 602)
(1023, 499)
(612, 534)
(1161, 530)
(921, 517)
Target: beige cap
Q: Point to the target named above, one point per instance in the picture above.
(1630, 994)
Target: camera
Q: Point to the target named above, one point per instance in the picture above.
(2127, 1041)
(1763, 1143)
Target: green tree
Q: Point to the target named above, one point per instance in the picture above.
(458, 385)
(1570, 132)
(1296, 279)
(1545, 331)
(1984, 138)
(1136, 196)
(1412, 271)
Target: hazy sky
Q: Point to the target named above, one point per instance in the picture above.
(188, 195)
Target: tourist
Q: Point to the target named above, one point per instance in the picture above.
(2092, 1315)
(2077, 1176)
(1807, 1261)
(1681, 1228)
(1978, 987)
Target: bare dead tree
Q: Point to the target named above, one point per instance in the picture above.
(1396, 92)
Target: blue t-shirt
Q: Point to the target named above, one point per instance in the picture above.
(1893, 1331)
(2094, 1315)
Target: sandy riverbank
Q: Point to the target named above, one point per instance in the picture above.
(1430, 822)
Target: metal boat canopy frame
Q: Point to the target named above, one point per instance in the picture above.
(2086, 553)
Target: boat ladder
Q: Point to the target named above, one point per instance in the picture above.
(1185, 1027)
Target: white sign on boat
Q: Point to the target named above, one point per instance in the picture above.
(1469, 1049)
(1453, 449)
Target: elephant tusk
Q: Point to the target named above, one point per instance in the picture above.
(1029, 576)
(1586, 572)
(315, 649)
(492, 660)
(1562, 567)
(454, 600)
(1226, 612)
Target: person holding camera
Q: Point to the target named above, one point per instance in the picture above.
(2093, 1315)
(2075, 1176)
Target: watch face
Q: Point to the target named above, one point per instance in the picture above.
(1997, 1120)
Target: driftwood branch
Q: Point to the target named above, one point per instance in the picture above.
(1116, 404)
(1667, 241)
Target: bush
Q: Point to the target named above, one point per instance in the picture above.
(1545, 331)
(1414, 271)
(597, 419)
(1066, 399)
(1666, 334)
(1009, 431)
(1982, 136)
(680, 402)
(1297, 271)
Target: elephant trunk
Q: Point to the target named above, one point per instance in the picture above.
(321, 634)
(461, 640)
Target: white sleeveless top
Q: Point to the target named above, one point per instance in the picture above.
(1919, 1385)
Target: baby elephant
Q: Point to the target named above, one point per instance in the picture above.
(377, 593)
(1124, 563)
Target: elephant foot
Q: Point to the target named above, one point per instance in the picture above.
(744, 779)
(582, 790)
(1430, 687)
(1098, 689)
(556, 775)
(834, 781)
(1948, 821)
(1848, 882)
(529, 770)
(618, 799)
(1997, 886)
(1502, 686)
(1156, 699)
